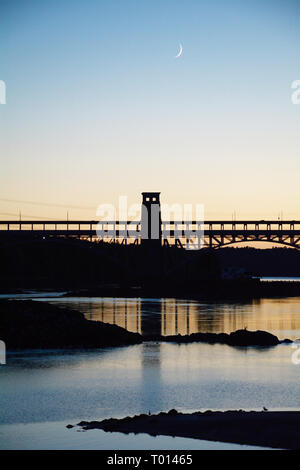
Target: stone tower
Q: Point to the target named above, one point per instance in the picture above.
(151, 220)
(151, 236)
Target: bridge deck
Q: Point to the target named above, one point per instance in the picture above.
(214, 233)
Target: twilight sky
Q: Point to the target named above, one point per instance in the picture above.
(97, 105)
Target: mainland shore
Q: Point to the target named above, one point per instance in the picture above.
(205, 290)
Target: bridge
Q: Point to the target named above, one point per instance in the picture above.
(152, 230)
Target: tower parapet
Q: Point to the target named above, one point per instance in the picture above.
(151, 219)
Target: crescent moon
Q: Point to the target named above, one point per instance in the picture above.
(180, 52)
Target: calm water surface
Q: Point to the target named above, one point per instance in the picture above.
(42, 391)
(173, 316)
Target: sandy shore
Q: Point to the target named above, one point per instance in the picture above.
(276, 429)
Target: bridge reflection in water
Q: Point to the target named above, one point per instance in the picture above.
(174, 316)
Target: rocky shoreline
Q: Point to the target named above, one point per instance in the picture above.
(28, 324)
(275, 429)
(236, 338)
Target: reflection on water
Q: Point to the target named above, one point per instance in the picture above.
(174, 316)
(32, 437)
(281, 279)
(49, 389)
(117, 382)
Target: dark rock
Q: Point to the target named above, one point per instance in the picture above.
(237, 338)
(31, 324)
(252, 338)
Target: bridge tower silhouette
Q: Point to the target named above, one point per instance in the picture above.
(151, 233)
(151, 237)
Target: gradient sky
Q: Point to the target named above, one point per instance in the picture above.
(97, 105)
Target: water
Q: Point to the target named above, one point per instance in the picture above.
(54, 436)
(31, 294)
(42, 392)
(282, 279)
(68, 387)
(176, 316)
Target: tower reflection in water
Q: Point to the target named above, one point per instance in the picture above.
(175, 316)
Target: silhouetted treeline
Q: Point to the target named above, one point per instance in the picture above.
(60, 262)
(262, 262)
(69, 263)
